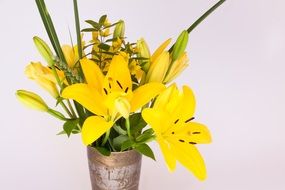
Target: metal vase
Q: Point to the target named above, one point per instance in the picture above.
(119, 171)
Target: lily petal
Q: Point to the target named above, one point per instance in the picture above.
(160, 49)
(189, 157)
(118, 77)
(167, 154)
(164, 98)
(83, 94)
(93, 128)
(92, 73)
(191, 132)
(188, 104)
(144, 94)
(157, 119)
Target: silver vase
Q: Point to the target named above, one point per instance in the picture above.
(119, 171)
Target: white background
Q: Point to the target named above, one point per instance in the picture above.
(237, 72)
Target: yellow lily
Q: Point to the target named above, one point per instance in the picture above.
(70, 54)
(159, 65)
(171, 119)
(176, 68)
(44, 77)
(108, 97)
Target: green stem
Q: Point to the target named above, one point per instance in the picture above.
(71, 108)
(106, 137)
(128, 128)
(203, 17)
(72, 115)
(56, 114)
(66, 109)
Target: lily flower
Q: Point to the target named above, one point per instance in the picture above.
(176, 68)
(171, 119)
(44, 77)
(160, 62)
(109, 97)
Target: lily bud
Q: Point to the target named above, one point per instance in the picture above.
(31, 100)
(180, 45)
(176, 68)
(123, 106)
(144, 52)
(119, 31)
(44, 50)
(158, 68)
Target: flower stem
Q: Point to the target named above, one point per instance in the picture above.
(66, 109)
(128, 128)
(71, 108)
(106, 137)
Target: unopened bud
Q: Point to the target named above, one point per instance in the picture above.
(119, 31)
(44, 50)
(180, 45)
(31, 100)
(144, 52)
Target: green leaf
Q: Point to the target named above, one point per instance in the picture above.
(126, 145)
(145, 150)
(147, 136)
(104, 151)
(89, 30)
(103, 46)
(69, 125)
(61, 133)
(118, 141)
(47, 21)
(102, 20)
(109, 26)
(119, 130)
(137, 124)
(94, 24)
(77, 25)
(58, 100)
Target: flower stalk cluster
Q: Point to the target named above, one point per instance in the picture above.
(117, 94)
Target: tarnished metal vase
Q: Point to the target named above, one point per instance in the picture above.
(119, 171)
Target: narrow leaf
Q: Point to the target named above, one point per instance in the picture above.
(145, 150)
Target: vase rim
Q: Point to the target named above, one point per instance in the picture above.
(114, 153)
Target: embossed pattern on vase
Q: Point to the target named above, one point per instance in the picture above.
(119, 171)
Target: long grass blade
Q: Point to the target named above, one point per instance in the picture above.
(50, 29)
(77, 25)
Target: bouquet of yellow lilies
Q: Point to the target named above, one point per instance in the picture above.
(112, 89)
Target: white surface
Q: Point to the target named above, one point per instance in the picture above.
(237, 72)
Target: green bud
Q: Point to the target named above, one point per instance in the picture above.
(44, 50)
(180, 45)
(32, 100)
(119, 31)
(143, 52)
